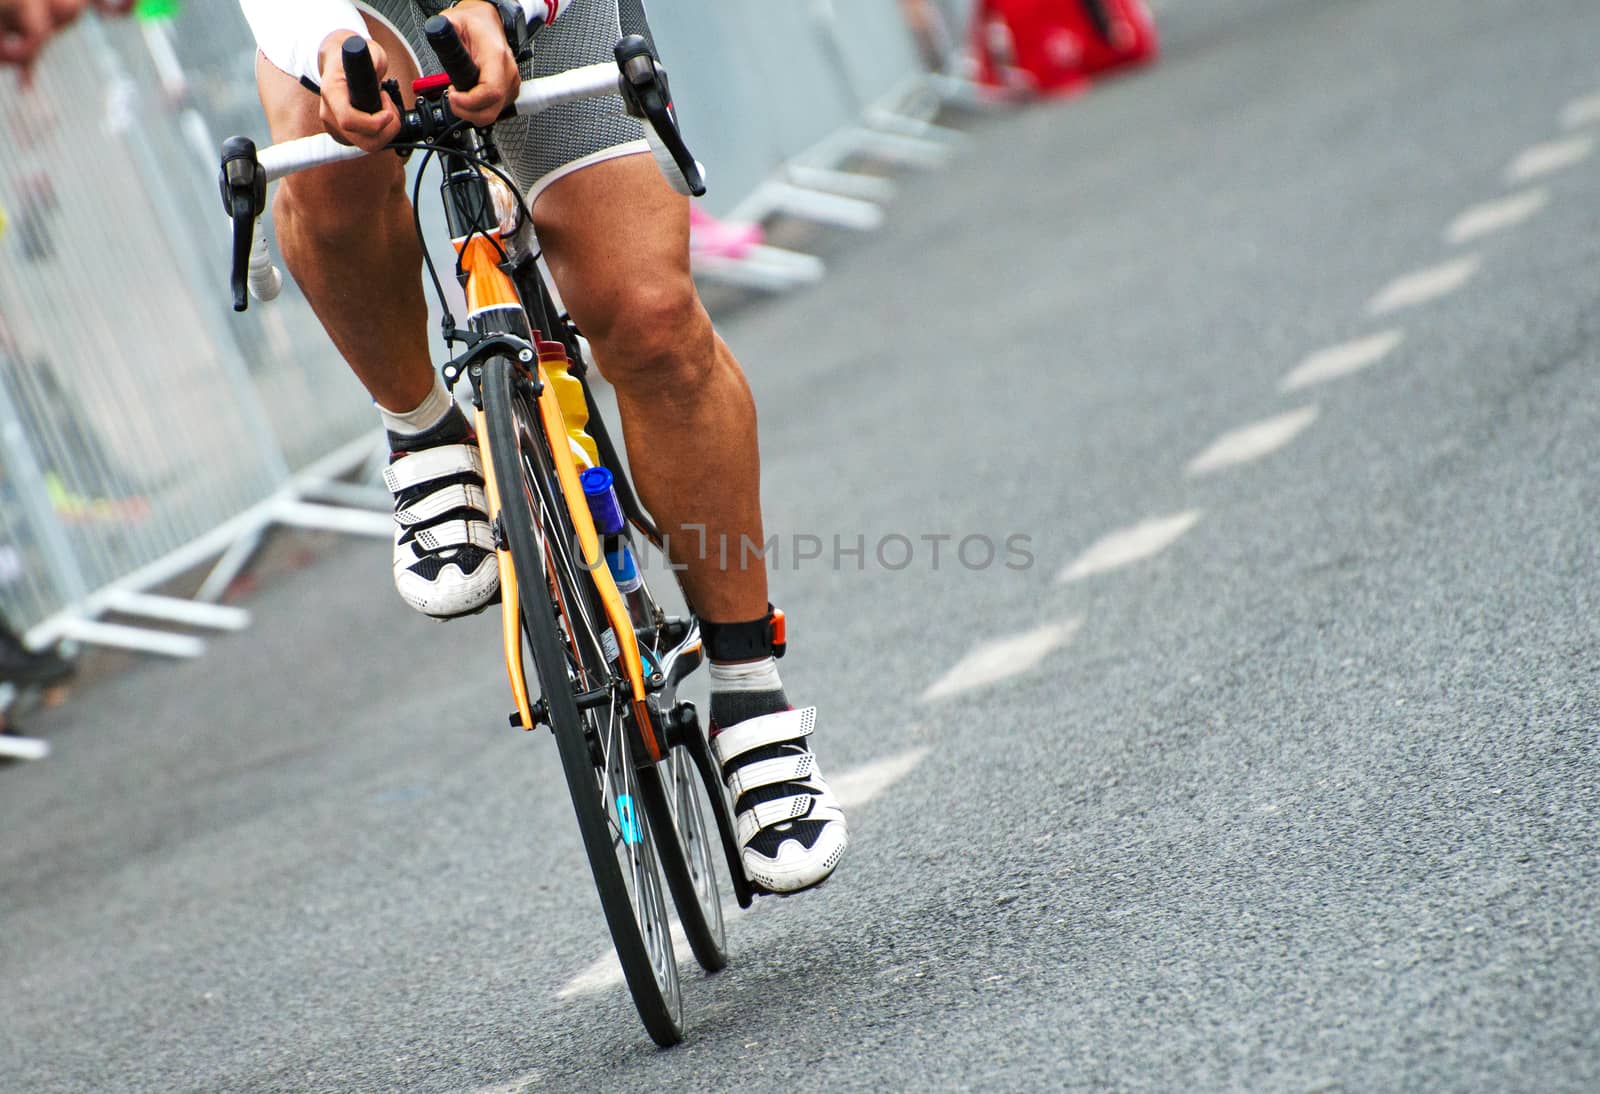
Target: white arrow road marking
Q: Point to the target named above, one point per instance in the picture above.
(1496, 216)
(1342, 360)
(1002, 658)
(1252, 442)
(1581, 112)
(1128, 545)
(1425, 286)
(1549, 157)
(854, 788)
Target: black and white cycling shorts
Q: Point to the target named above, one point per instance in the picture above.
(542, 148)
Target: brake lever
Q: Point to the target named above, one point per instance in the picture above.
(243, 183)
(646, 94)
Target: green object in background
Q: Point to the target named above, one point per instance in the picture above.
(157, 9)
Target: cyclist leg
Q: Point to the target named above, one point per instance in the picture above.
(346, 234)
(616, 238)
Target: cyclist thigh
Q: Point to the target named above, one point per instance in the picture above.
(294, 111)
(616, 237)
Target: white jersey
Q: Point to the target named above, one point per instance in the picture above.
(289, 32)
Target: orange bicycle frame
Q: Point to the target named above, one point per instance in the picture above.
(488, 287)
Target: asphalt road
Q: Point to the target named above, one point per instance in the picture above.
(1305, 799)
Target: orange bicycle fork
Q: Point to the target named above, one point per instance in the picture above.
(495, 311)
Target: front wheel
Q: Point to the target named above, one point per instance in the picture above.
(563, 626)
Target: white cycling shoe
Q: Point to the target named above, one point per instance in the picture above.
(444, 560)
(791, 830)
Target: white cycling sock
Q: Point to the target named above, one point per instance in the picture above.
(745, 691)
(429, 414)
(746, 676)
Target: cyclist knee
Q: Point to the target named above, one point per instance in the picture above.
(658, 341)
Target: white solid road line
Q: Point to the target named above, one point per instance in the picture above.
(1549, 157)
(854, 788)
(23, 748)
(1002, 658)
(1581, 112)
(1342, 360)
(1252, 442)
(1496, 216)
(1126, 546)
(1425, 286)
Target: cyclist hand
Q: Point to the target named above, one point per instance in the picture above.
(484, 38)
(369, 132)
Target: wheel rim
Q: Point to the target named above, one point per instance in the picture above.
(635, 850)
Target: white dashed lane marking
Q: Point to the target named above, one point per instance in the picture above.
(860, 785)
(854, 788)
(1425, 286)
(1128, 545)
(1549, 157)
(1252, 442)
(606, 973)
(1342, 360)
(23, 748)
(1002, 658)
(1581, 112)
(1496, 216)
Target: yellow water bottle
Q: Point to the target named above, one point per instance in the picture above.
(574, 409)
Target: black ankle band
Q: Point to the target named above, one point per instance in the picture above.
(748, 641)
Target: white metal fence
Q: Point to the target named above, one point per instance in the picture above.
(145, 429)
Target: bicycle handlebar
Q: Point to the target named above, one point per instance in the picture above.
(453, 56)
(636, 77)
(360, 75)
(538, 95)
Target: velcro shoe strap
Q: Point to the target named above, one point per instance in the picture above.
(794, 767)
(769, 729)
(454, 533)
(446, 499)
(765, 815)
(430, 465)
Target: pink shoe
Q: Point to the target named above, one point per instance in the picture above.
(718, 238)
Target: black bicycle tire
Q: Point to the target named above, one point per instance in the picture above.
(708, 942)
(709, 950)
(549, 656)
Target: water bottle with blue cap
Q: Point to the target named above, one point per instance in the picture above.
(600, 491)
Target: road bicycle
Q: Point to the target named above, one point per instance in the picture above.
(608, 658)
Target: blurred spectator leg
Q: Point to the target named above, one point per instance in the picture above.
(29, 668)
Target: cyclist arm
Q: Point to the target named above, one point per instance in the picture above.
(291, 33)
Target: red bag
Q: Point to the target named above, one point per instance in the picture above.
(1056, 46)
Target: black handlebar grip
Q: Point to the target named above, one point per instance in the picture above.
(361, 76)
(446, 43)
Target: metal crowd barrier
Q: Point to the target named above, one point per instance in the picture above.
(147, 431)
